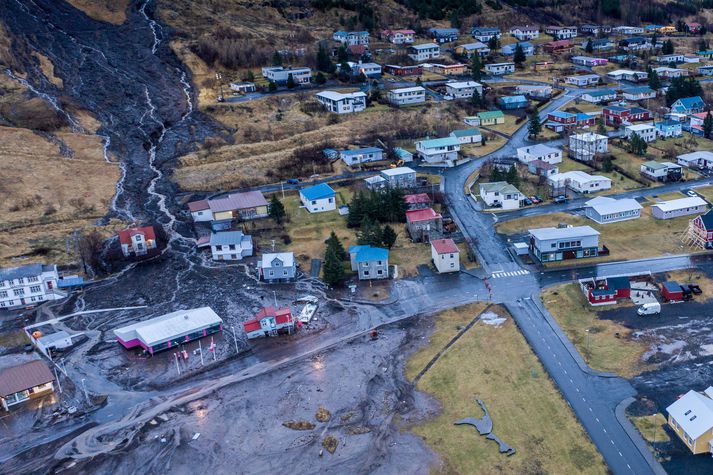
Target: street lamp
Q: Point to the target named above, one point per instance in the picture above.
(84, 386)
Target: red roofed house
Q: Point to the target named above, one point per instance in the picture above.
(424, 224)
(137, 241)
(418, 201)
(356, 50)
(270, 322)
(559, 46)
(608, 290)
(445, 255)
(694, 27)
(399, 37)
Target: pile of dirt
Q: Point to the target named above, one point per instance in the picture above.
(323, 415)
(299, 425)
(330, 443)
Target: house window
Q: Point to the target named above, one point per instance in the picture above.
(314, 202)
(231, 247)
(284, 272)
(34, 278)
(35, 288)
(19, 292)
(366, 272)
(379, 272)
(272, 272)
(3, 294)
(139, 246)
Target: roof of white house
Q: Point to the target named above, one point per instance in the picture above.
(588, 137)
(338, 96)
(605, 205)
(578, 175)
(463, 84)
(498, 186)
(165, 327)
(673, 205)
(287, 258)
(539, 150)
(397, 171)
(544, 234)
(227, 238)
(408, 89)
(693, 156)
(637, 127)
(425, 46)
(693, 412)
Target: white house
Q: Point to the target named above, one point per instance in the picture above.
(644, 131)
(280, 75)
(499, 69)
(701, 159)
(230, 246)
(406, 95)
(628, 30)
(318, 198)
(438, 150)
(628, 75)
(29, 285)
(361, 155)
(445, 255)
(370, 70)
(664, 72)
(351, 38)
(137, 241)
(605, 210)
(424, 52)
(562, 32)
(524, 33)
(670, 58)
(679, 207)
(579, 181)
(539, 152)
(342, 103)
(501, 194)
(463, 90)
(600, 95)
(585, 146)
(466, 136)
(661, 171)
(582, 80)
(691, 418)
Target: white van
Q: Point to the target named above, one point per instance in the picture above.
(653, 308)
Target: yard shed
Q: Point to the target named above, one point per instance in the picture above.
(671, 291)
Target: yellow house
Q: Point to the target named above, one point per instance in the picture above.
(543, 65)
(691, 418)
(449, 69)
(666, 30)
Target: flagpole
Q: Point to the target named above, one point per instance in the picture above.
(200, 347)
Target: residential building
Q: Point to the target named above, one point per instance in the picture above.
(29, 285)
(647, 132)
(669, 128)
(484, 33)
(635, 43)
(501, 194)
(542, 66)
(542, 169)
(230, 246)
(605, 291)
(243, 87)
(513, 102)
(463, 89)
(706, 70)
(342, 103)
(48, 344)
(664, 72)
(270, 321)
(661, 171)
(280, 75)
(418, 201)
(542, 152)
(560, 120)
(370, 263)
(588, 61)
(691, 59)
(500, 69)
(400, 177)
(602, 44)
(639, 93)
(444, 35)
(617, 115)
(695, 124)
(628, 75)
(583, 80)
(694, 27)
(471, 49)
(403, 155)
(424, 52)
(605, 210)
(585, 146)
(579, 181)
(361, 155)
(558, 47)
(399, 37)
(536, 92)
(375, 183)
(670, 58)
(438, 150)
(558, 244)
(491, 117)
(413, 70)
(406, 96)
(700, 230)
(369, 70)
(509, 50)
(688, 105)
(351, 38)
(242, 206)
(599, 96)
(318, 198)
(466, 136)
(137, 242)
(472, 120)
(424, 224)
(562, 32)
(524, 33)
(357, 51)
(595, 29)
(700, 159)
(24, 381)
(445, 255)
(691, 419)
(448, 69)
(170, 330)
(276, 267)
(678, 207)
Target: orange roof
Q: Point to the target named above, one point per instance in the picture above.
(421, 215)
(147, 232)
(444, 246)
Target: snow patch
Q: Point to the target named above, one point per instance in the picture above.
(493, 319)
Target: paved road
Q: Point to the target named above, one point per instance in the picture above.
(593, 397)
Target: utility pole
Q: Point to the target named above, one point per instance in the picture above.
(274, 296)
(177, 367)
(56, 378)
(200, 348)
(84, 386)
(235, 339)
(282, 187)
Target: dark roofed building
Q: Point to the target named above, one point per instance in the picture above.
(25, 381)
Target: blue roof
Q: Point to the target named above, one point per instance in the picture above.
(638, 90)
(442, 142)
(689, 102)
(226, 238)
(443, 31)
(601, 92)
(70, 282)
(368, 253)
(667, 123)
(513, 99)
(360, 151)
(318, 192)
(401, 153)
(481, 29)
(561, 114)
(583, 116)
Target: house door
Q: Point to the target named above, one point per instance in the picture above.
(569, 255)
(49, 285)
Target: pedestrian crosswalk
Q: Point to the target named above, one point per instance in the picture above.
(498, 275)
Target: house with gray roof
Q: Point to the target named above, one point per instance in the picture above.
(501, 194)
(558, 244)
(230, 245)
(28, 285)
(275, 267)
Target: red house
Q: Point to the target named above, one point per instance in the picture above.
(671, 291)
(270, 321)
(356, 50)
(560, 46)
(694, 27)
(701, 230)
(136, 242)
(608, 291)
(415, 70)
(617, 115)
(418, 201)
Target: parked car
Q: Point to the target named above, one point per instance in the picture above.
(293, 181)
(692, 193)
(653, 308)
(695, 289)
(560, 199)
(527, 201)
(535, 199)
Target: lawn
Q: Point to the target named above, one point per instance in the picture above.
(595, 339)
(633, 239)
(527, 410)
(632, 163)
(619, 182)
(493, 143)
(706, 192)
(651, 427)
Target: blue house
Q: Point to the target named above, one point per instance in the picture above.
(688, 105)
(527, 48)
(369, 262)
(318, 198)
(444, 35)
(669, 128)
(513, 102)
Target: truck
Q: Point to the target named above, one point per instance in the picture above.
(652, 308)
